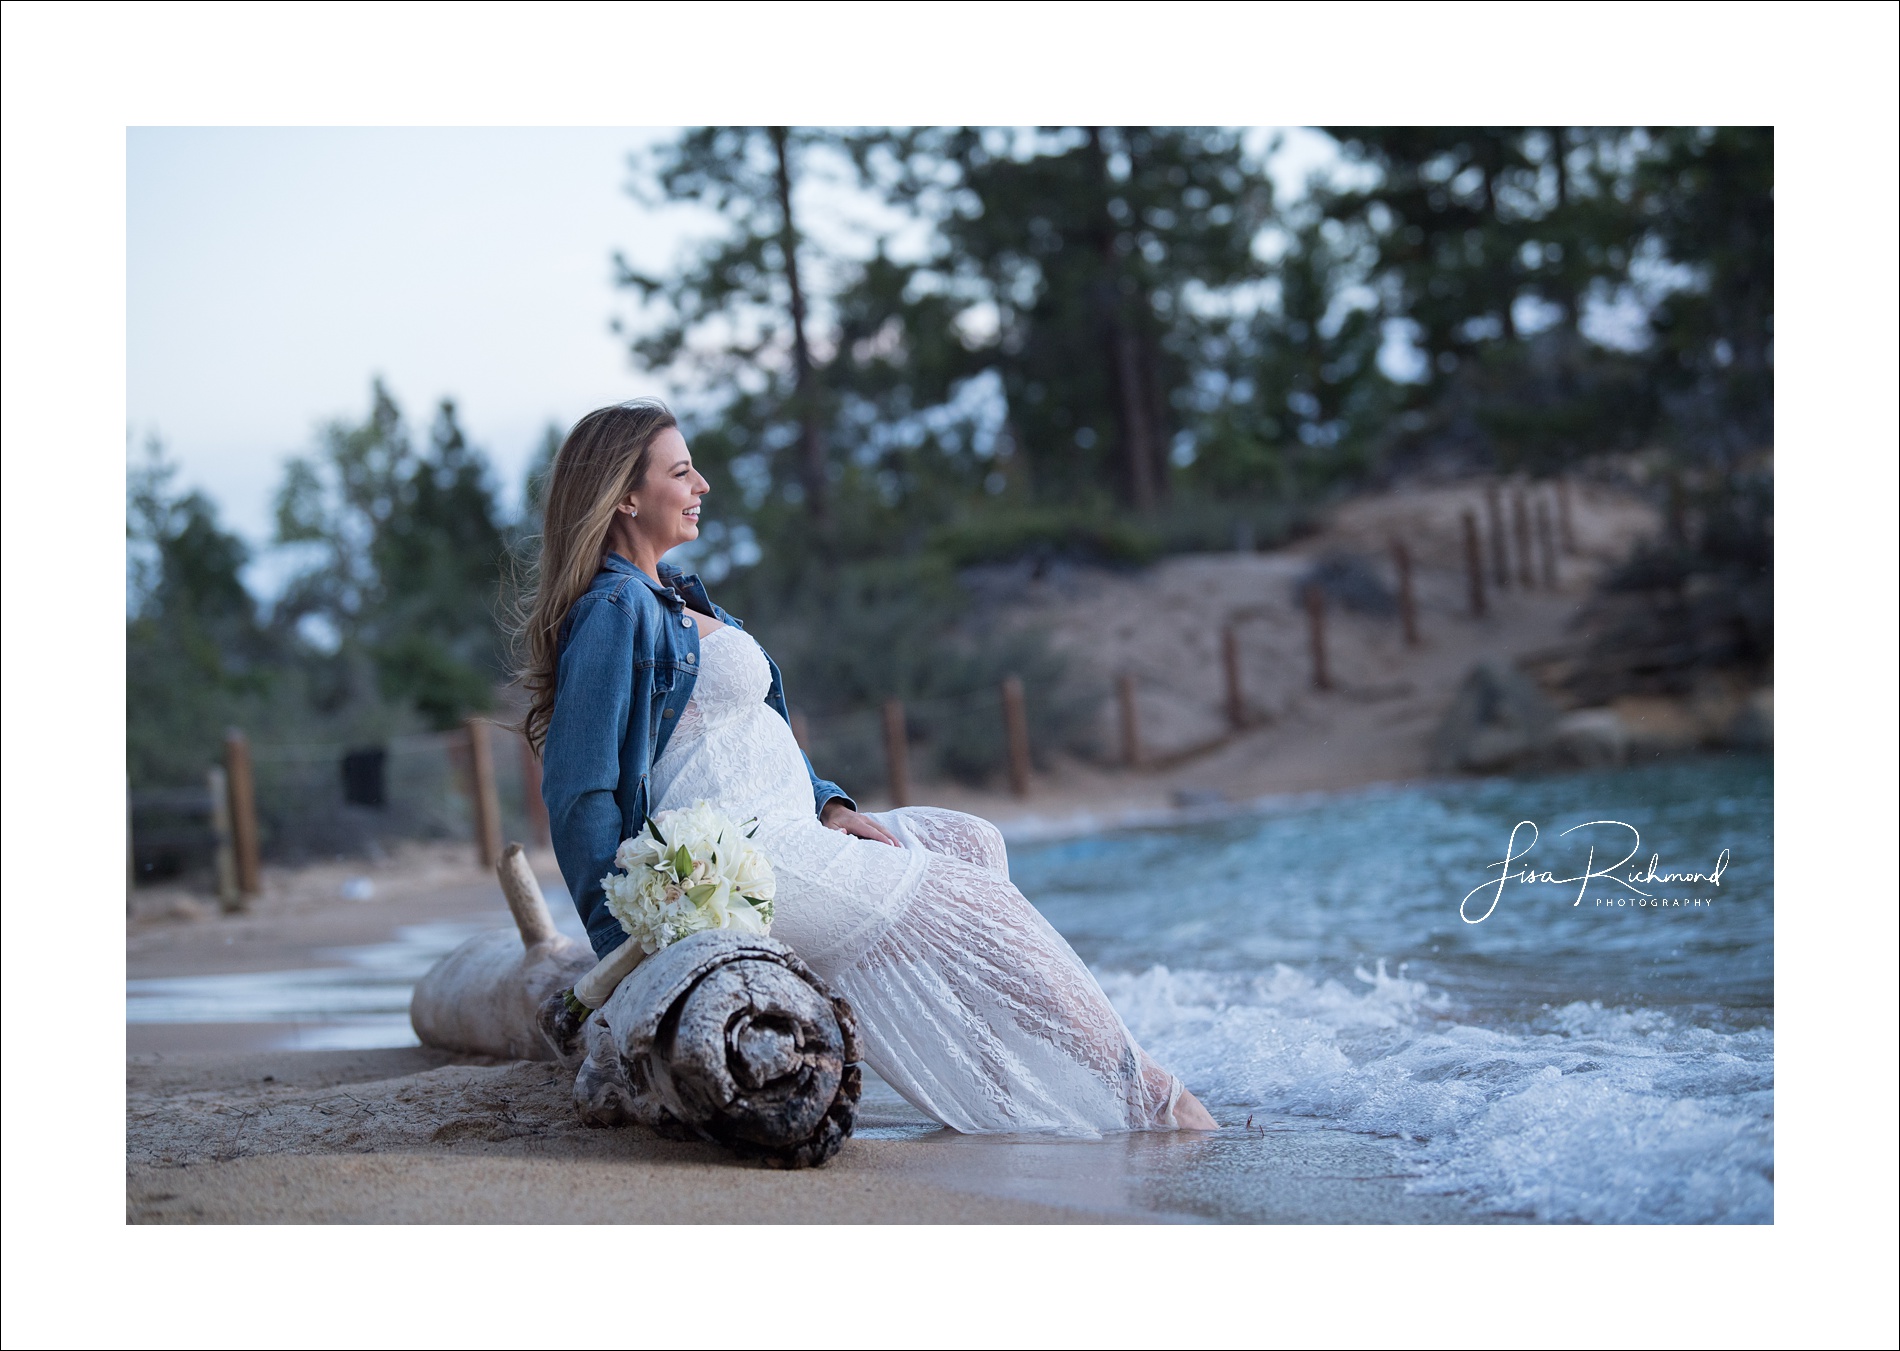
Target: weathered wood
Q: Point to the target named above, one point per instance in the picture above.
(487, 804)
(1474, 568)
(1521, 536)
(896, 752)
(243, 789)
(1408, 606)
(1016, 733)
(218, 788)
(1500, 552)
(486, 996)
(532, 804)
(1546, 545)
(1316, 635)
(522, 891)
(1230, 670)
(1130, 720)
(729, 1038)
(1565, 529)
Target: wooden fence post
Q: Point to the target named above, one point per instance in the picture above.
(1016, 728)
(218, 788)
(1500, 555)
(1564, 530)
(1546, 545)
(1131, 722)
(896, 752)
(531, 803)
(1316, 634)
(1230, 666)
(1474, 567)
(243, 790)
(1408, 606)
(801, 731)
(1521, 535)
(481, 764)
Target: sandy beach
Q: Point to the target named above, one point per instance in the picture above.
(416, 1136)
(233, 1123)
(229, 1123)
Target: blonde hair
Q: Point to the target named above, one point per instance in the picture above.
(603, 459)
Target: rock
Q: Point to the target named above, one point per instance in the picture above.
(729, 1038)
(1197, 797)
(1658, 725)
(1350, 581)
(1754, 725)
(1593, 737)
(1498, 720)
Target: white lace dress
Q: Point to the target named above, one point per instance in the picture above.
(971, 1006)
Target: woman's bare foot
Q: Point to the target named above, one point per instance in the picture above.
(1189, 1115)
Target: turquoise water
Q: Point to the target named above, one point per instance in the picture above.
(1609, 1059)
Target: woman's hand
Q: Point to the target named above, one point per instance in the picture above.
(840, 817)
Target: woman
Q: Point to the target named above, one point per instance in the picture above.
(647, 696)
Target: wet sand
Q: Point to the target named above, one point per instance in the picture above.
(415, 1136)
(233, 1123)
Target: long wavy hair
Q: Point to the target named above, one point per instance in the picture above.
(603, 459)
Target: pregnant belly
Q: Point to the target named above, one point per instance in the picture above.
(747, 766)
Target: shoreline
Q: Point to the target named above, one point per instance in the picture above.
(421, 1136)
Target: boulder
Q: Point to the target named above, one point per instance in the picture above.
(1350, 581)
(1593, 737)
(1754, 725)
(1658, 725)
(1499, 720)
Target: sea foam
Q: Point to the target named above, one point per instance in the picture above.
(1586, 1113)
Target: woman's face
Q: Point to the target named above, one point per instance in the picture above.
(667, 501)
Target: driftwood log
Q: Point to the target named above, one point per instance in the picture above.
(728, 1038)
(485, 996)
(718, 1037)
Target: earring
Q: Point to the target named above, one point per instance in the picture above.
(632, 512)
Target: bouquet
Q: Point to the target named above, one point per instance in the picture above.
(692, 868)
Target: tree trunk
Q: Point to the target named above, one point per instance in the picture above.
(1508, 263)
(1122, 341)
(810, 438)
(1566, 292)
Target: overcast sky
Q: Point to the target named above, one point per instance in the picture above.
(273, 271)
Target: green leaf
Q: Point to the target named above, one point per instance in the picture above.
(654, 828)
(756, 903)
(682, 863)
(697, 895)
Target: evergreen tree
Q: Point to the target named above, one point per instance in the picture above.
(404, 577)
(1706, 194)
(738, 311)
(194, 647)
(1071, 262)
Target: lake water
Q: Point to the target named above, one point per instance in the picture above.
(1609, 1059)
(1594, 1052)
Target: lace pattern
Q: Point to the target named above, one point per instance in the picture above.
(971, 1006)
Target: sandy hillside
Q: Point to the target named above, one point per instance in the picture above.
(1163, 627)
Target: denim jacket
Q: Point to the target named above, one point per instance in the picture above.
(629, 658)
